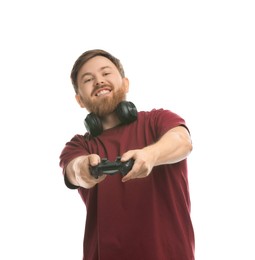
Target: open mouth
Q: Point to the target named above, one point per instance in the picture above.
(102, 92)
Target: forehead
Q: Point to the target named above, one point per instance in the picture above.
(96, 64)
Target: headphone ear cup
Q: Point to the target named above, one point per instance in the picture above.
(93, 124)
(126, 112)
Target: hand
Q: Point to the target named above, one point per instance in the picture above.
(82, 173)
(144, 162)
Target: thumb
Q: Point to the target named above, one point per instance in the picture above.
(126, 156)
(94, 159)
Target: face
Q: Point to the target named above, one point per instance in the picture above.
(100, 86)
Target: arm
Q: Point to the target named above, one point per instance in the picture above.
(174, 146)
(78, 173)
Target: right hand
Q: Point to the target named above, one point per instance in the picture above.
(80, 168)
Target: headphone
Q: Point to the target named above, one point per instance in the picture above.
(125, 110)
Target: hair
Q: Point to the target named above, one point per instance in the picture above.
(89, 55)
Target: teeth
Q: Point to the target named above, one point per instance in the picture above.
(103, 92)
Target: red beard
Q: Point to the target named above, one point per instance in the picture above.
(106, 105)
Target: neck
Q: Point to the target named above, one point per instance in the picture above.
(110, 121)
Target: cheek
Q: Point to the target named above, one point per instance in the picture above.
(85, 92)
(120, 83)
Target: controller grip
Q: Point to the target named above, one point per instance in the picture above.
(126, 166)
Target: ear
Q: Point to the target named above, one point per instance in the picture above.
(126, 84)
(79, 100)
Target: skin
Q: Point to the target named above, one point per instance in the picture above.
(98, 74)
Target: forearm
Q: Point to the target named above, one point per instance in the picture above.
(174, 146)
(71, 169)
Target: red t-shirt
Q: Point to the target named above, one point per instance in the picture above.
(142, 219)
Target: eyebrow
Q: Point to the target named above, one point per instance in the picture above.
(89, 73)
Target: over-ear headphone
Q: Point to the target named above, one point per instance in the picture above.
(126, 112)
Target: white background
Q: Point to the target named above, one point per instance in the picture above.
(195, 58)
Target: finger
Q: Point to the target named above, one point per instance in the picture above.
(126, 178)
(126, 156)
(101, 178)
(131, 175)
(94, 160)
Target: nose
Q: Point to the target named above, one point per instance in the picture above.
(99, 81)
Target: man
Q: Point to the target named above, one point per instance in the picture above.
(145, 214)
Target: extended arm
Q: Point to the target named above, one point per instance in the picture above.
(174, 146)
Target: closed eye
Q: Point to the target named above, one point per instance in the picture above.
(86, 80)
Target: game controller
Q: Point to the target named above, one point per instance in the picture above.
(110, 168)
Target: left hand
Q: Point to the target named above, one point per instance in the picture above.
(144, 162)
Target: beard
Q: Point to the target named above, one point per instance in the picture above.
(105, 105)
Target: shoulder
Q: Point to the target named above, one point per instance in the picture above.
(79, 138)
(160, 112)
(161, 120)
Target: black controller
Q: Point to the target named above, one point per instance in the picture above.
(110, 168)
